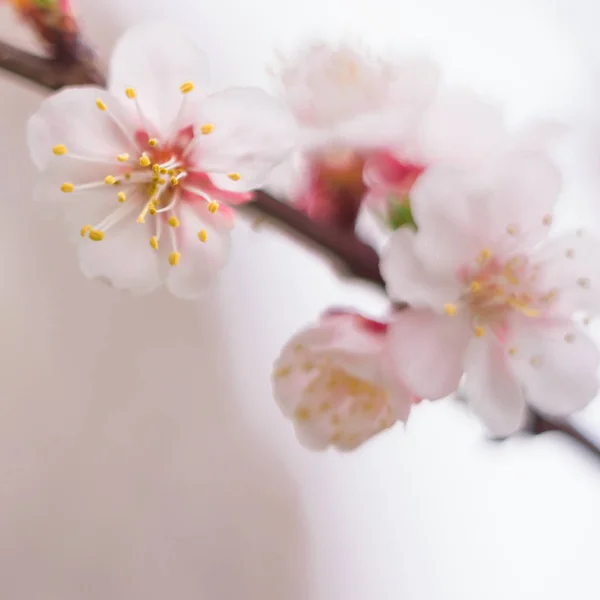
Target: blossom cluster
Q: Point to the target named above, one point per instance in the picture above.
(484, 293)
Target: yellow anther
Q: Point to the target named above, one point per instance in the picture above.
(508, 273)
(152, 209)
(162, 181)
(96, 235)
(484, 255)
(67, 187)
(282, 371)
(101, 104)
(59, 150)
(174, 258)
(152, 142)
(202, 235)
(547, 220)
(213, 206)
(475, 286)
(180, 171)
(155, 178)
(479, 331)
(174, 181)
(154, 242)
(163, 171)
(173, 221)
(84, 230)
(450, 309)
(186, 87)
(130, 93)
(171, 172)
(570, 338)
(127, 176)
(234, 176)
(123, 157)
(302, 413)
(156, 168)
(144, 160)
(512, 351)
(121, 196)
(206, 129)
(512, 230)
(110, 180)
(324, 407)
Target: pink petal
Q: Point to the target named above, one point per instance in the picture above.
(557, 363)
(427, 350)
(491, 388)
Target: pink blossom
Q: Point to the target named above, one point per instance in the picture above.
(334, 381)
(492, 295)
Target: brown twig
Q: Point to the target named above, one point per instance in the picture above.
(353, 256)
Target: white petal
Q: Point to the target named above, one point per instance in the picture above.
(492, 389)
(71, 118)
(124, 258)
(407, 279)
(252, 134)
(459, 129)
(557, 364)
(427, 351)
(569, 266)
(156, 59)
(200, 262)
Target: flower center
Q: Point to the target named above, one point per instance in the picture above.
(151, 182)
(495, 289)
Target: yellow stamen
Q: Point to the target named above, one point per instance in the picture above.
(171, 172)
(174, 181)
(475, 286)
(302, 413)
(155, 178)
(547, 220)
(101, 105)
(110, 180)
(152, 142)
(484, 255)
(324, 407)
(144, 160)
(152, 209)
(162, 181)
(450, 309)
(282, 371)
(163, 171)
(84, 230)
(234, 176)
(59, 150)
(213, 206)
(156, 168)
(96, 235)
(174, 258)
(186, 87)
(479, 331)
(154, 242)
(121, 197)
(127, 176)
(512, 351)
(206, 129)
(173, 221)
(123, 157)
(67, 187)
(570, 338)
(202, 235)
(130, 93)
(142, 217)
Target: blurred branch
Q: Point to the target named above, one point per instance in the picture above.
(355, 258)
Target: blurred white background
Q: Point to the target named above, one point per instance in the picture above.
(141, 454)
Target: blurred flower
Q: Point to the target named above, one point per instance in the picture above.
(333, 380)
(349, 105)
(491, 295)
(144, 166)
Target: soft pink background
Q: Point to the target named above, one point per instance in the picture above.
(141, 454)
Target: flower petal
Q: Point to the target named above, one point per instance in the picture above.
(408, 279)
(200, 262)
(491, 388)
(123, 258)
(252, 134)
(427, 351)
(71, 118)
(568, 265)
(155, 59)
(558, 366)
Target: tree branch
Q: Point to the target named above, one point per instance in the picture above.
(351, 254)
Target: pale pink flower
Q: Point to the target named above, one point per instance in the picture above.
(348, 104)
(146, 168)
(334, 381)
(491, 295)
